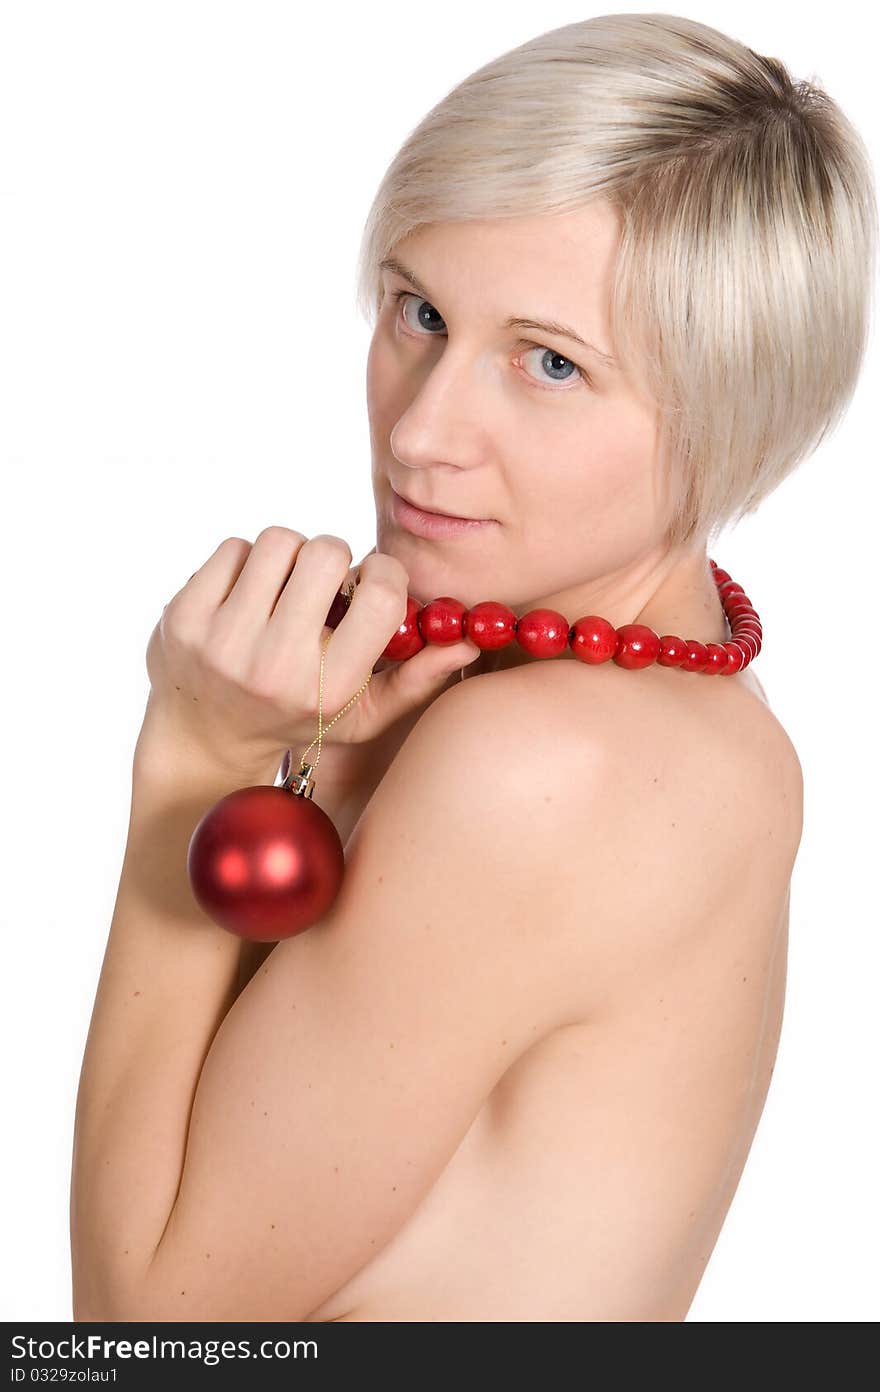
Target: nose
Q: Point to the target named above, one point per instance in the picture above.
(446, 420)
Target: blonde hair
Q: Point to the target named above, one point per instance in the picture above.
(744, 276)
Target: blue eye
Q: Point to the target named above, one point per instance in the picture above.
(428, 318)
(551, 360)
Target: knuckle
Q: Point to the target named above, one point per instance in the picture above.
(276, 536)
(335, 549)
(379, 566)
(178, 622)
(385, 598)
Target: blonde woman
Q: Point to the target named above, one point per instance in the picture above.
(620, 283)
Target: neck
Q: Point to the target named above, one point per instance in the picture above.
(671, 591)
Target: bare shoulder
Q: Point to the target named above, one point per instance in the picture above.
(698, 742)
(665, 792)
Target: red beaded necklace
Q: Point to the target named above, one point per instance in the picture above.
(545, 633)
(266, 862)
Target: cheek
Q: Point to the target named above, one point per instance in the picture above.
(377, 375)
(588, 480)
(386, 383)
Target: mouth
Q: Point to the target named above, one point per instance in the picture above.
(433, 525)
(437, 512)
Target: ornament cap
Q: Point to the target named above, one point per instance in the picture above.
(302, 783)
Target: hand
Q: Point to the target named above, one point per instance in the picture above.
(234, 661)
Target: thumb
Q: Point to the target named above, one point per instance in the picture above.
(407, 685)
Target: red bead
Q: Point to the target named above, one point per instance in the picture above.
(735, 658)
(265, 863)
(638, 646)
(749, 643)
(673, 651)
(741, 615)
(542, 632)
(593, 640)
(695, 658)
(729, 588)
(719, 574)
(407, 641)
(747, 656)
(716, 659)
(489, 625)
(440, 620)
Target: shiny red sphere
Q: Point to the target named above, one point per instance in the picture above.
(542, 632)
(738, 604)
(673, 650)
(593, 639)
(638, 646)
(407, 641)
(489, 625)
(749, 641)
(736, 658)
(716, 659)
(440, 620)
(265, 863)
(695, 658)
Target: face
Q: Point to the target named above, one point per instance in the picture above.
(526, 427)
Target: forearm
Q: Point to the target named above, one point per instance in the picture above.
(168, 978)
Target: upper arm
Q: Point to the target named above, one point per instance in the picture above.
(346, 1074)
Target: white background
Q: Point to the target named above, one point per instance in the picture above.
(182, 191)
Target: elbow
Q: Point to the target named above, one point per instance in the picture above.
(107, 1301)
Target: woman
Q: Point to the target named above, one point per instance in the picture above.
(515, 1070)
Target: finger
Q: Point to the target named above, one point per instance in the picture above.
(207, 587)
(322, 565)
(270, 562)
(410, 684)
(375, 612)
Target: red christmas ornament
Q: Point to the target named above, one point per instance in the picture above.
(266, 862)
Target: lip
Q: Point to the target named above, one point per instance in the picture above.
(422, 523)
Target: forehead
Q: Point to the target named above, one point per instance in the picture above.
(545, 263)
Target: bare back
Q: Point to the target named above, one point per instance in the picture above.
(594, 1181)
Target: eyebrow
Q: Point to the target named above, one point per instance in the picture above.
(549, 326)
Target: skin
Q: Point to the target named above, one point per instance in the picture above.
(463, 419)
(538, 1106)
(571, 473)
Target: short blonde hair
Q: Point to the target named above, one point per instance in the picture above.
(744, 277)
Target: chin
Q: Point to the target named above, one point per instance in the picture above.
(433, 573)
